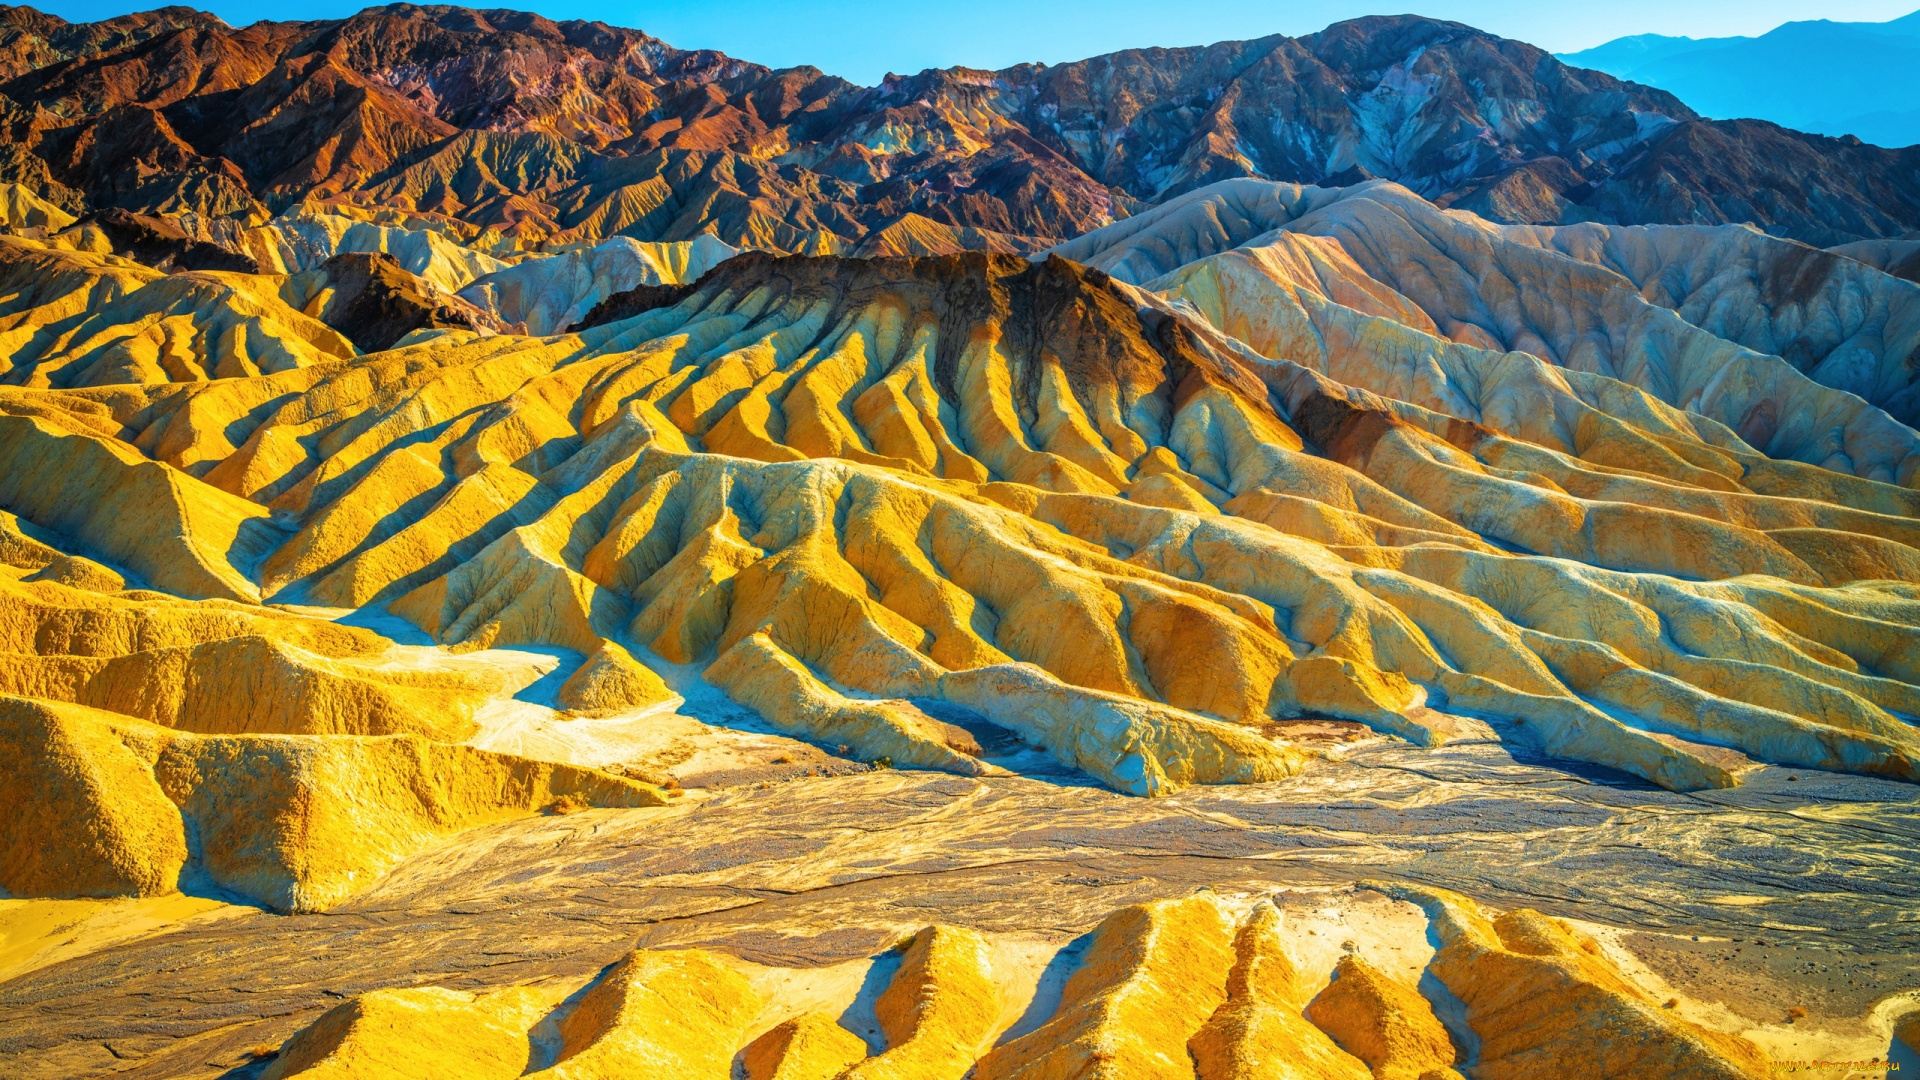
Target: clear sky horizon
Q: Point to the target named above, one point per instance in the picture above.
(862, 40)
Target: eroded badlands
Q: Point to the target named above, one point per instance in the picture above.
(326, 594)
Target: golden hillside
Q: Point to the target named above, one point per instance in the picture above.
(1191, 510)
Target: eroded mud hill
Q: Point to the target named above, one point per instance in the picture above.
(1212, 500)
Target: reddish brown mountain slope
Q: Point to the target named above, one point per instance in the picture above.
(503, 119)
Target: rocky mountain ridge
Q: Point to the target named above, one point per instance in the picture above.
(542, 131)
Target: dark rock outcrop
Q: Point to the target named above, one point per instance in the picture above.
(635, 301)
(163, 245)
(375, 302)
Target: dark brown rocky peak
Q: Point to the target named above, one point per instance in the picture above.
(25, 21)
(1367, 48)
(1120, 85)
(644, 56)
(1016, 185)
(193, 61)
(401, 34)
(969, 289)
(851, 281)
(1045, 313)
(1373, 43)
(132, 157)
(163, 245)
(635, 301)
(31, 39)
(1423, 102)
(936, 85)
(803, 96)
(476, 20)
(503, 70)
(375, 302)
(310, 125)
(1821, 190)
(1533, 191)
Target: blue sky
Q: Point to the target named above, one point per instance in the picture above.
(863, 39)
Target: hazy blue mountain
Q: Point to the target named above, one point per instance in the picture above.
(1827, 77)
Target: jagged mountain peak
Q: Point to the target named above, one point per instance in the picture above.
(252, 120)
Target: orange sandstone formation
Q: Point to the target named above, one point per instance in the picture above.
(676, 1014)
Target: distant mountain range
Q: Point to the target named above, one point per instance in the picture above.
(1833, 78)
(542, 133)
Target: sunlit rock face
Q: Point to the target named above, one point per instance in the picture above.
(1169, 623)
